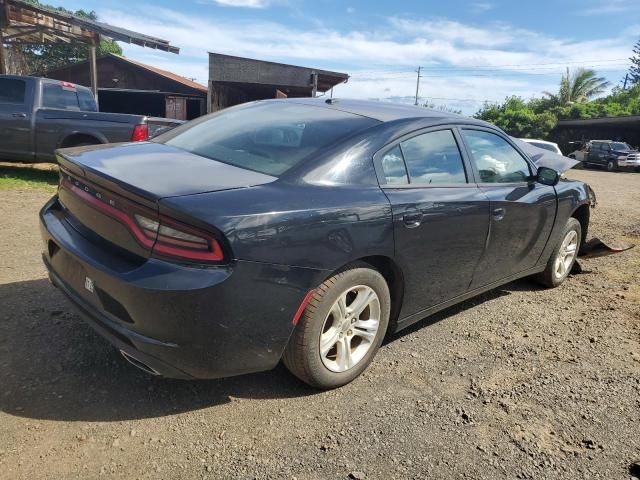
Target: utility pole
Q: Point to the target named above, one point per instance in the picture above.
(3, 55)
(626, 78)
(418, 84)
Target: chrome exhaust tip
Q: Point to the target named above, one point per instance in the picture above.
(139, 364)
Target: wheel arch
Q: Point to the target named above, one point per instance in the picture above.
(582, 214)
(76, 138)
(394, 277)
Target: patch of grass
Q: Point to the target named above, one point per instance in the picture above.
(20, 176)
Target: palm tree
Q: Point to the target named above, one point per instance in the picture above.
(580, 86)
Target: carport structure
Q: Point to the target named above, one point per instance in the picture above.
(23, 23)
(624, 128)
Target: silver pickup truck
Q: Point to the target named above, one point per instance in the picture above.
(39, 115)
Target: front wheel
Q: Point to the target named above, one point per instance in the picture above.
(564, 255)
(341, 328)
(612, 166)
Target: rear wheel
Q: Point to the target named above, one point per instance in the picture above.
(341, 329)
(564, 256)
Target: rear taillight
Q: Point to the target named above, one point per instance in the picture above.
(179, 241)
(140, 133)
(162, 235)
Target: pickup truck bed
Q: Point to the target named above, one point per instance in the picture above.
(39, 115)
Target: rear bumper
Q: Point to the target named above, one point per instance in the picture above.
(178, 321)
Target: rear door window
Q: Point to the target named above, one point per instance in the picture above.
(57, 96)
(496, 159)
(434, 158)
(393, 167)
(12, 91)
(86, 101)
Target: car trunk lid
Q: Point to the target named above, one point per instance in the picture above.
(108, 190)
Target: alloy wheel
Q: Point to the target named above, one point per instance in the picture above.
(350, 328)
(566, 254)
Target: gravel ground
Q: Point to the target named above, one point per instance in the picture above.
(518, 383)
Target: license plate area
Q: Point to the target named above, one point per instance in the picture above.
(75, 276)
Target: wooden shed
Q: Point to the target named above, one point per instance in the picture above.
(234, 80)
(128, 86)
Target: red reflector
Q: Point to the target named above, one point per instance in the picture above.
(140, 133)
(302, 306)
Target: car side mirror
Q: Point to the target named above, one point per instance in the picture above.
(548, 176)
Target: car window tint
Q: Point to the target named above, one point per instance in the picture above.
(620, 146)
(434, 157)
(496, 160)
(12, 91)
(55, 96)
(267, 137)
(393, 167)
(86, 100)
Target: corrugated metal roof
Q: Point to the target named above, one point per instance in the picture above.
(171, 76)
(600, 121)
(51, 25)
(158, 71)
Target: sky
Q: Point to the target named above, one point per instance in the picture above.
(470, 52)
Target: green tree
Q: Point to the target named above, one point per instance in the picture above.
(634, 70)
(580, 86)
(44, 57)
(519, 118)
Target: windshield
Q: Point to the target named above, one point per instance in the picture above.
(620, 146)
(267, 137)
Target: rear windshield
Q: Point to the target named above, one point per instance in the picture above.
(267, 137)
(54, 95)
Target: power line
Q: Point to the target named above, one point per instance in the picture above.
(466, 73)
(524, 68)
(526, 65)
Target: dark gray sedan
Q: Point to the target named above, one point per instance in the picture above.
(300, 230)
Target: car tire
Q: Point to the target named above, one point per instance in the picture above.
(564, 255)
(330, 315)
(612, 166)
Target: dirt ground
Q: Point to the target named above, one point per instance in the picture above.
(521, 382)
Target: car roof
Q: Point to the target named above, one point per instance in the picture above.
(383, 111)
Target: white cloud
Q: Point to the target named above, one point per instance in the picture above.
(381, 60)
(610, 7)
(242, 3)
(481, 7)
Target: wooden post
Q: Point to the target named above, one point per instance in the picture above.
(314, 84)
(93, 68)
(3, 56)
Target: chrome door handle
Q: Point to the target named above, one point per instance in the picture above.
(19, 115)
(498, 213)
(412, 220)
